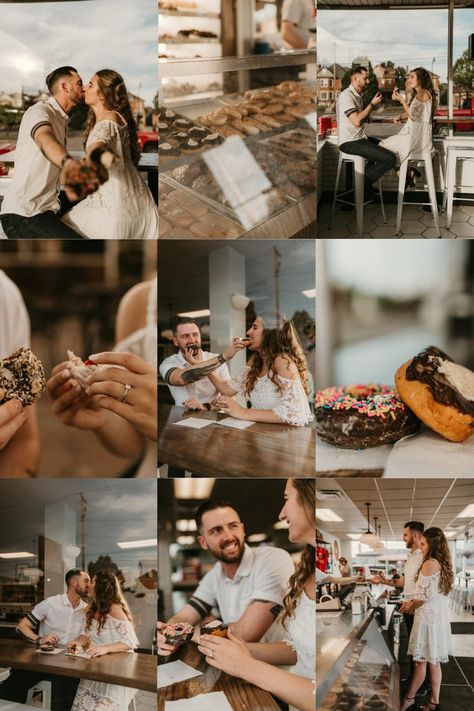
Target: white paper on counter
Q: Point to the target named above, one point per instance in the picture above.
(216, 700)
(57, 650)
(173, 672)
(330, 458)
(195, 422)
(427, 454)
(233, 422)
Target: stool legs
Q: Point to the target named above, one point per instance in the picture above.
(338, 176)
(382, 206)
(402, 177)
(450, 181)
(432, 191)
(359, 195)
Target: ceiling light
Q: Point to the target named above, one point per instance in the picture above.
(354, 536)
(327, 515)
(309, 293)
(450, 534)
(186, 524)
(145, 543)
(257, 538)
(21, 554)
(185, 540)
(369, 538)
(193, 488)
(467, 512)
(195, 314)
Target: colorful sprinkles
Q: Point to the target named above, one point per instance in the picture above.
(370, 400)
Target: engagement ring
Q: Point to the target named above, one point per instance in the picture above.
(126, 388)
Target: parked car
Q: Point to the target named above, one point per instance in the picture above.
(6, 148)
(148, 141)
(464, 126)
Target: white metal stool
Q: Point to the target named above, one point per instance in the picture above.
(427, 158)
(359, 174)
(45, 688)
(455, 153)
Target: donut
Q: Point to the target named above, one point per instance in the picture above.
(177, 632)
(440, 392)
(361, 416)
(22, 377)
(216, 628)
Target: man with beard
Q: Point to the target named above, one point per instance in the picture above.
(246, 586)
(190, 385)
(52, 622)
(412, 534)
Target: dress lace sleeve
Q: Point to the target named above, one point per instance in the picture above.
(293, 406)
(123, 632)
(422, 587)
(416, 110)
(106, 132)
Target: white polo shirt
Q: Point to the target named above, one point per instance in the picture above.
(34, 188)
(14, 321)
(263, 574)
(300, 13)
(412, 566)
(349, 102)
(57, 616)
(203, 390)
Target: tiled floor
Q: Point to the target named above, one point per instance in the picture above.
(416, 223)
(145, 701)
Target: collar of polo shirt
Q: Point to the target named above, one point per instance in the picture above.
(245, 566)
(57, 106)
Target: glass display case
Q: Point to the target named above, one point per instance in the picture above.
(237, 156)
(355, 662)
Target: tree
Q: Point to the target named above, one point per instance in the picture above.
(103, 563)
(387, 65)
(400, 77)
(463, 71)
(371, 89)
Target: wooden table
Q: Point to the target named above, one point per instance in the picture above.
(264, 449)
(241, 695)
(137, 671)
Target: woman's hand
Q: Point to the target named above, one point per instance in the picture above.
(12, 416)
(130, 391)
(69, 401)
(231, 407)
(408, 607)
(396, 96)
(97, 650)
(231, 655)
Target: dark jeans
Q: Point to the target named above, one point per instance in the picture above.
(379, 160)
(46, 225)
(409, 619)
(63, 689)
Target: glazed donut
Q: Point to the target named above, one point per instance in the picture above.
(361, 416)
(22, 377)
(440, 392)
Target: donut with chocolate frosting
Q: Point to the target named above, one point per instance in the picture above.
(362, 416)
(440, 392)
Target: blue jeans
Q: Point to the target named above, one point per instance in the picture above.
(379, 160)
(46, 225)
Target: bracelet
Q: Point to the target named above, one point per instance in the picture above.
(65, 159)
(207, 405)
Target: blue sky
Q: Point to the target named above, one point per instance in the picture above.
(406, 37)
(91, 35)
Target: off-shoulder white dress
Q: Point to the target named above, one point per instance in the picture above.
(416, 135)
(123, 207)
(99, 695)
(302, 637)
(430, 639)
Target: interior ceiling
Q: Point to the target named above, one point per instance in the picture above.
(435, 502)
(184, 273)
(117, 510)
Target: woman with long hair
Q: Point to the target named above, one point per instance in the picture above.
(123, 206)
(416, 134)
(430, 640)
(275, 382)
(107, 628)
(258, 662)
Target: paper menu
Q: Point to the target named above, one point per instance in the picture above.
(174, 672)
(216, 700)
(194, 422)
(236, 424)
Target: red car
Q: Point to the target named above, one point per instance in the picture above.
(148, 141)
(5, 149)
(465, 125)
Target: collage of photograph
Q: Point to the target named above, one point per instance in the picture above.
(236, 355)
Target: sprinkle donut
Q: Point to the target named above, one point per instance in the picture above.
(361, 416)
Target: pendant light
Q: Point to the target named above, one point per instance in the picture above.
(379, 548)
(368, 538)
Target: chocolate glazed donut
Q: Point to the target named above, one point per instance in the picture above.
(440, 392)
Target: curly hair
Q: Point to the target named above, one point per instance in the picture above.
(107, 593)
(114, 92)
(306, 491)
(279, 339)
(438, 549)
(426, 83)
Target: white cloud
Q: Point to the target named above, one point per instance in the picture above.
(93, 35)
(407, 38)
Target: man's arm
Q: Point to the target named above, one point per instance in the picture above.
(358, 118)
(192, 373)
(49, 145)
(256, 619)
(293, 35)
(26, 630)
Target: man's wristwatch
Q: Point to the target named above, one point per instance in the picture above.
(221, 359)
(65, 159)
(206, 405)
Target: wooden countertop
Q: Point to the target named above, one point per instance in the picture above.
(241, 695)
(137, 671)
(264, 449)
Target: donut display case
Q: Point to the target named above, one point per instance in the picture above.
(357, 670)
(221, 158)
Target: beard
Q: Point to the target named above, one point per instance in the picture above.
(236, 557)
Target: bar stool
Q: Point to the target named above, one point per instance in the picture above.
(359, 174)
(455, 153)
(45, 688)
(427, 158)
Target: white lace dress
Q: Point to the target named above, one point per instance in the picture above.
(416, 134)
(430, 639)
(99, 695)
(144, 343)
(290, 405)
(302, 637)
(123, 207)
